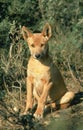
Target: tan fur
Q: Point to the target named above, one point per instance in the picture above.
(45, 83)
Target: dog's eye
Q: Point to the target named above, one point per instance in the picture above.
(42, 45)
(32, 45)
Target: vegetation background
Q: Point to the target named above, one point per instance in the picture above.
(66, 47)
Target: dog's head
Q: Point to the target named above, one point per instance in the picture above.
(37, 42)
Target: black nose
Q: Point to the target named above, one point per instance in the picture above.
(37, 56)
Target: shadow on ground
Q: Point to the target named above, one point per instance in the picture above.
(66, 119)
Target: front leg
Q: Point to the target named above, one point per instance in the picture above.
(42, 100)
(29, 101)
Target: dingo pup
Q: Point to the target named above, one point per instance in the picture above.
(44, 83)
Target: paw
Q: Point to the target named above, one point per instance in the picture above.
(38, 114)
(27, 111)
(23, 113)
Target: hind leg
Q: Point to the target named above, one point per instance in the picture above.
(63, 102)
(67, 98)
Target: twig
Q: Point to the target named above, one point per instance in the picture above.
(74, 78)
(79, 79)
(10, 51)
(6, 87)
(20, 96)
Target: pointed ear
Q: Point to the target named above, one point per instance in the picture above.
(47, 32)
(26, 33)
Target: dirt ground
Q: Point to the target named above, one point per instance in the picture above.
(71, 118)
